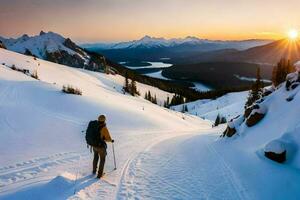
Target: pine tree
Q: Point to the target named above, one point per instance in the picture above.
(149, 96)
(256, 91)
(154, 100)
(132, 89)
(126, 84)
(167, 102)
(217, 121)
(223, 120)
(106, 66)
(281, 70)
(186, 108)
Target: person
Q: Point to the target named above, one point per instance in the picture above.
(100, 151)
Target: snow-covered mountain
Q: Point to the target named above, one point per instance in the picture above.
(228, 106)
(153, 42)
(53, 47)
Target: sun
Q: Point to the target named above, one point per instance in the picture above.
(293, 34)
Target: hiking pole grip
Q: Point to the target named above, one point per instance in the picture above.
(113, 148)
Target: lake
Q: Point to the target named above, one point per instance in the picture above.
(154, 70)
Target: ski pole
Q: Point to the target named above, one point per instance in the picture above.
(75, 182)
(114, 155)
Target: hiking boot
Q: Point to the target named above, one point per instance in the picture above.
(100, 175)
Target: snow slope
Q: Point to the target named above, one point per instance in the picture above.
(41, 127)
(229, 106)
(278, 130)
(210, 167)
(161, 154)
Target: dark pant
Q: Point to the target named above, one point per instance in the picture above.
(99, 152)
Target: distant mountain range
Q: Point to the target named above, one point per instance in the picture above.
(268, 54)
(152, 42)
(154, 49)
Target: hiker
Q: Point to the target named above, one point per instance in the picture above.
(97, 135)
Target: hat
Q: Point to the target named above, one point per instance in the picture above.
(101, 118)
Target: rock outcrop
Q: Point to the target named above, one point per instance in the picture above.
(2, 45)
(276, 151)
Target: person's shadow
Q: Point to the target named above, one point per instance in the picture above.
(84, 182)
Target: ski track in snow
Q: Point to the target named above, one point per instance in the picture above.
(31, 171)
(159, 164)
(150, 171)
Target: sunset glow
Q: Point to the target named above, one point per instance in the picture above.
(121, 20)
(293, 34)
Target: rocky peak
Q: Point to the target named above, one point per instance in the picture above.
(42, 33)
(70, 44)
(2, 45)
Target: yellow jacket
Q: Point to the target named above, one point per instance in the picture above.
(104, 134)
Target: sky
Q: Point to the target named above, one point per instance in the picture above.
(121, 20)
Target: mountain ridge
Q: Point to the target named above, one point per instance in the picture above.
(160, 42)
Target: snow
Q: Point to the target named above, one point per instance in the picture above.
(41, 127)
(165, 171)
(40, 44)
(292, 77)
(236, 122)
(161, 154)
(261, 110)
(229, 106)
(275, 146)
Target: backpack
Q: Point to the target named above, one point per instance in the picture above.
(92, 135)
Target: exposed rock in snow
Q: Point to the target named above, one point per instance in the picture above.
(292, 80)
(232, 126)
(275, 150)
(275, 146)
(248, 110)
(267, 91)
(256, 116)
(2, 45)
(297, 66)
(229, 132)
